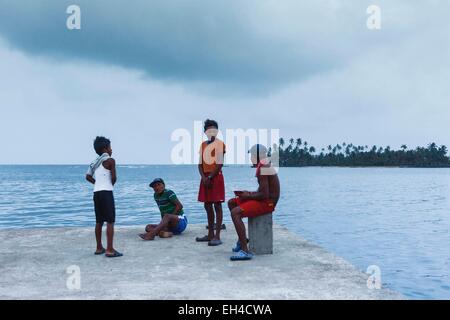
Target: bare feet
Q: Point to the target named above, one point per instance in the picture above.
(165, 234)
(147, 236)
(100, 251)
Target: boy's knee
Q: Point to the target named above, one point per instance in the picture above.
(208, 205)
(232, 204)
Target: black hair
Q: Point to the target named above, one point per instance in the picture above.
(210, 123)
(100, 143)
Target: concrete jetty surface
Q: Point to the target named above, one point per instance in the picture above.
(34, 265)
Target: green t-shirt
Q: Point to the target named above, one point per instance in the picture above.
(166, 202)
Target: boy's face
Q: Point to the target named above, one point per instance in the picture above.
(211, 132)
(158, 187)
(108, 150)
(254, 159)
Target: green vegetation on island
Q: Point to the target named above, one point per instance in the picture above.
(298, 153)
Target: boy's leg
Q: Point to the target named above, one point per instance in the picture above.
(210, 214)
(98, 236)
(232, 204)
(149, 227)
(236, 215)
(168, 221)
(219, 218)
(109, 238)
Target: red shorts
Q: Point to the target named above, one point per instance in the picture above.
(215, 193)
(255, 208)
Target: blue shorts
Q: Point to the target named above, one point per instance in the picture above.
(182, 224)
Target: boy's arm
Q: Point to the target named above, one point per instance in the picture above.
(216, 170)
(263, 190)
(178, 205)
(111, 166)
(90, 178)
(219, 163)
(200, 170)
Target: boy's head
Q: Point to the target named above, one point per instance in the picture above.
(258, 152)
(102, 145)
(211, 128)
(158, 185)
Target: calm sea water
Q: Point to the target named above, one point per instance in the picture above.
(397, 219)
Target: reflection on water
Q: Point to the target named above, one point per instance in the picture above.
(397, 219)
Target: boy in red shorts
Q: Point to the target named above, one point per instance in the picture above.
(252, 204)
(212, 185)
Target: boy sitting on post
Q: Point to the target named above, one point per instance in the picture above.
(253, 204)
(173, 220)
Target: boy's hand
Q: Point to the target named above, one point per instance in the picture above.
(244, 195)
(206, 182)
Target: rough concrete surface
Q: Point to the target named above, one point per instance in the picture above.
(34, 262)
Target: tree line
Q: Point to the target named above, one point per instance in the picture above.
(298, 153)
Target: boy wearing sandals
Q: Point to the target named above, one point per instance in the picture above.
(173, 220)
(212, 185)
(102, 174)
(253, 204)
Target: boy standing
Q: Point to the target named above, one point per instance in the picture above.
(173, 220)
(102, 174)
(212, 185)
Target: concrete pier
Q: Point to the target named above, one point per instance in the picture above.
(34, 264)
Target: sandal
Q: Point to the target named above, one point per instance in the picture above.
(214, 243)
(100, 252)
(116, 254)
(238, 246)
(202, 239)
(242, 256)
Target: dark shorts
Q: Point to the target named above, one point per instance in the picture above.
(105, 209)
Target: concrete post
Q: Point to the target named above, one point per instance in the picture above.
(260, 233)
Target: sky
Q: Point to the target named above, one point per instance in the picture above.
(137, 71)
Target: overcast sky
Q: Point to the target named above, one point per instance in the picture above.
(137, 70)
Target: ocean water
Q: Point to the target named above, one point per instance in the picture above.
(394, 218)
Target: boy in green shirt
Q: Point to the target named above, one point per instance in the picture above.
(173, 220)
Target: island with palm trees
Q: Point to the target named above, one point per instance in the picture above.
(298, 153)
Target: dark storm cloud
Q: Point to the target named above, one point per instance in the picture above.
(242, 43)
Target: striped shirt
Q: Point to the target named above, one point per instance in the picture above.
(166, 202)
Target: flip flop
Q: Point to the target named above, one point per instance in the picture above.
(214, 243)
(100, 253)
(202, 239)
(115, 255)
(242, 256)
(238, 246)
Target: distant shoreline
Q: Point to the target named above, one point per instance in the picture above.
(234, 165)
